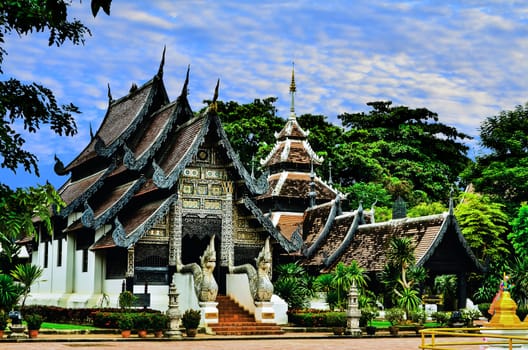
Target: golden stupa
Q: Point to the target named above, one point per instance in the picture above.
(503, 308)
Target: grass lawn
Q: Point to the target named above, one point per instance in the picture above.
(386, 324)
(65, 326)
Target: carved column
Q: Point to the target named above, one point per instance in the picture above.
(227, 224)
(175, 233)
(130, 270)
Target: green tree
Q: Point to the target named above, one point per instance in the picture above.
(27, 275)
(250, 127)
(17, 210)
(484, 225)
(424, 209)
(502, 172)
(33, 104)
(342, 278)
(409, 144)
(519, 234)
(324, 138)
(518, 272)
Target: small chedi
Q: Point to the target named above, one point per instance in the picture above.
(503, 308)
(205, 284)
(259, 279)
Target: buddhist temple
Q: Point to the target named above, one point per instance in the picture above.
(158, 187)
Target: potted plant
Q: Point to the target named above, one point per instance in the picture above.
(190, 321)
(395, 317)
(33, 321)
(418, 318)
(125, 324)
(142, 324)
(126, 300)
(159, 323)
(368, 314)
(3, 323)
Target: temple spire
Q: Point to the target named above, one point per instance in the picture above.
(292, 93)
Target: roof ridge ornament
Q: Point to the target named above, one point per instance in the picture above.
(162, 63)
(213, 107)
(110, 98)
(185, 89)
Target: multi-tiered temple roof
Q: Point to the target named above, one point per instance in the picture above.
(126, 179)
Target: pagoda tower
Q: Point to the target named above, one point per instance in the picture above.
(293, 184)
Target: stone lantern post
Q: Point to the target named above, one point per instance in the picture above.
(353, 312)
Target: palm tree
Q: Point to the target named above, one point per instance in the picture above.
(26, 274)
(344, 276)
(401, 254)
(10, 292)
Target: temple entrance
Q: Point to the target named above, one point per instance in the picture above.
(196, 235)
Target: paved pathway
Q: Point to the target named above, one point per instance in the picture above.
(301, 342)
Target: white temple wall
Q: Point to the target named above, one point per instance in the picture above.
(187, 298)
(237, 287)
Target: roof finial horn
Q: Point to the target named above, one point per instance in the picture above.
(110, 99)
(162, 63)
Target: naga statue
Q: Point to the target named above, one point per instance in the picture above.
(205, 285)
(260, 284)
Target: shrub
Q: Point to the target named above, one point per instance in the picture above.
(335, 319)
(191, 319)
(126, 299)
(34, 321)
(142, 321)
(125, 322)
(418, 316)
(159, 321)
(470, 315)
(106, 319)
(394, 315)
(440, 317)
(367, 315)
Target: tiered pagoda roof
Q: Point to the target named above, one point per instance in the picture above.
(126, 178)
(291, 163)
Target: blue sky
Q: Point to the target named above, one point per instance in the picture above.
(465, 60)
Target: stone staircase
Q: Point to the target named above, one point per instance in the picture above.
(234, 320)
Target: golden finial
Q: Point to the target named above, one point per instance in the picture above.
(292, 84)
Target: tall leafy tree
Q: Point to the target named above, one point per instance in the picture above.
(502, 172)
(409, 144)
(34, 105)
(485, 226)
(250, 127)
(18, 208)
(519, 233)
